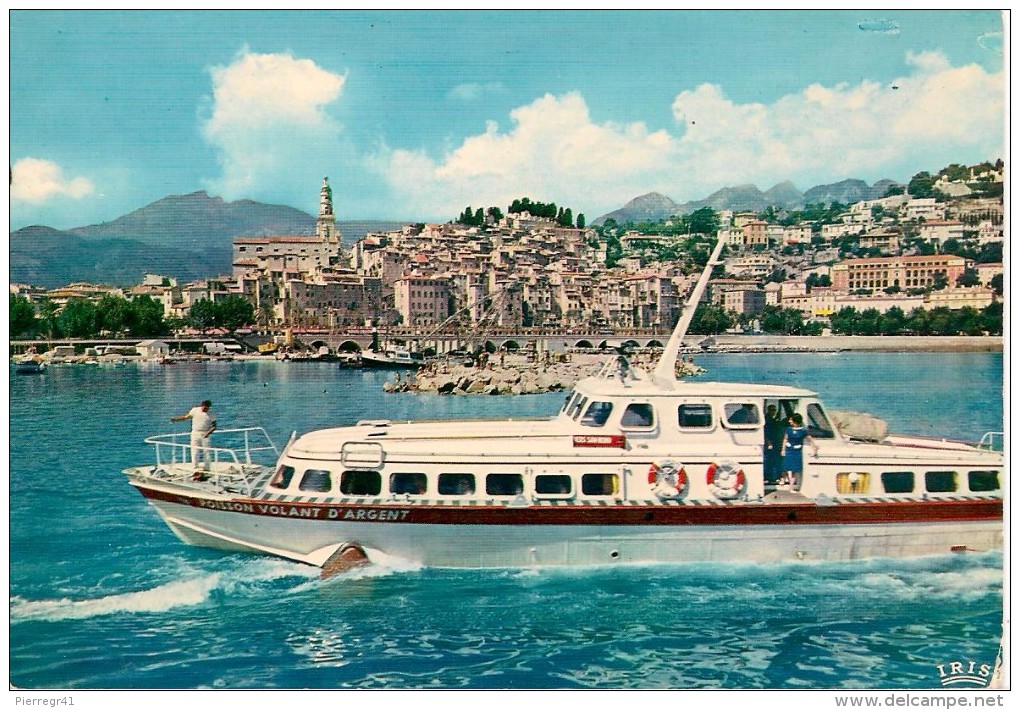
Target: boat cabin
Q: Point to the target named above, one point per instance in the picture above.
(622, 436)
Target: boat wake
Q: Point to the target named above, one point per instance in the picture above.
(192, 587)
(188, 592)
(245, 578)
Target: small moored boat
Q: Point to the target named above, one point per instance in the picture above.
(393, 358)
(29, 365)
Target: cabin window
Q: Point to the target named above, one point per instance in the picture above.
(577, 407)
(360, 483)
(741, 415)
(283, 477)
(981, 481)
(694, 416)
(898, 482)
(597, 414)
(940, 481)
(504, 484)
(414, 484)
(548, 484)
(638, 414)
(316, 480)
(818, 425)
(456, 484)
(853, 482)
(600, 484)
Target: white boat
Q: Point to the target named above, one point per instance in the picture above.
(29, 365)
(636, 467)
(392, 358)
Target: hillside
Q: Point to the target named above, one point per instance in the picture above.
(185, 236)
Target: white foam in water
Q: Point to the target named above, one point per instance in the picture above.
(192, 590)
(187, 592)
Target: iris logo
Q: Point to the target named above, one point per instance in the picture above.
(965, 673)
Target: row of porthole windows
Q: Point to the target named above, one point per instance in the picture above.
(355, 482)
(905, 481)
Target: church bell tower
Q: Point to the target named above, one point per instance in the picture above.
(325, 225)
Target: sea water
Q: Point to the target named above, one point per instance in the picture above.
(102, 595)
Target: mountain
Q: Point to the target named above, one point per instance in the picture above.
(197, 220)
(785, 195)
(745, 198)
(188, 237)
(652, 206)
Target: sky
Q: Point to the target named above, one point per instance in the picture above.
(416, 115)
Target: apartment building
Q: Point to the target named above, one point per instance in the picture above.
(422, 301)
(903, 271)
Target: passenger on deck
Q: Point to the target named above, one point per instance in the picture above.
(793, 456)
(775, 430)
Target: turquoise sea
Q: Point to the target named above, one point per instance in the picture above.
(103, 596)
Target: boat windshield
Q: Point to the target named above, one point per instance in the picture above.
(570, 398)
(819, 426)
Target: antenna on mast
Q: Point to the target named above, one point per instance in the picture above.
(665, 372)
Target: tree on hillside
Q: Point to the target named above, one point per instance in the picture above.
(78, 318)
(923, 185)
(969, 277)
(996, 284)
(202, 315)
(22, 316)
(704, 221)
(580, 220)
(113, 313)
(234, 312)
(955, 172)
(710, 319)
(145, 317)
(48, 312)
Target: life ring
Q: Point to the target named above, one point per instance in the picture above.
(667, 478)
(726, 480)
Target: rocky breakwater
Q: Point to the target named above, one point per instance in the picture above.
(507, 375)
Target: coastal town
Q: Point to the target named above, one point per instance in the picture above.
(925, 259)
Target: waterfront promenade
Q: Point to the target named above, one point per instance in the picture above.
(693, 343)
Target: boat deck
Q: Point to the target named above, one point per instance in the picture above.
(223, 479)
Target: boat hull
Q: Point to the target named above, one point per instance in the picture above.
(384, 364)
(503, 536)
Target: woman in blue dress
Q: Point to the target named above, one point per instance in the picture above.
(793, 453)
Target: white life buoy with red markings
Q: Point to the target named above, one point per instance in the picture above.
(667, 478)
(726, 480)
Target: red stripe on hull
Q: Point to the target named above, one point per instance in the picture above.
(914, 511)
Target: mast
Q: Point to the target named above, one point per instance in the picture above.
(665, 371)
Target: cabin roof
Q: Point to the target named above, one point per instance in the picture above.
(642, 385)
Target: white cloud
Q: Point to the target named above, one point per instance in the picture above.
(553, 151)
(36, 181)
(269, 114)
(934, 115)
(473, 92)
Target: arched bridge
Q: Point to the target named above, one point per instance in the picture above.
(501, 340)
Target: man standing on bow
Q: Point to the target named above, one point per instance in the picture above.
(203, 424)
